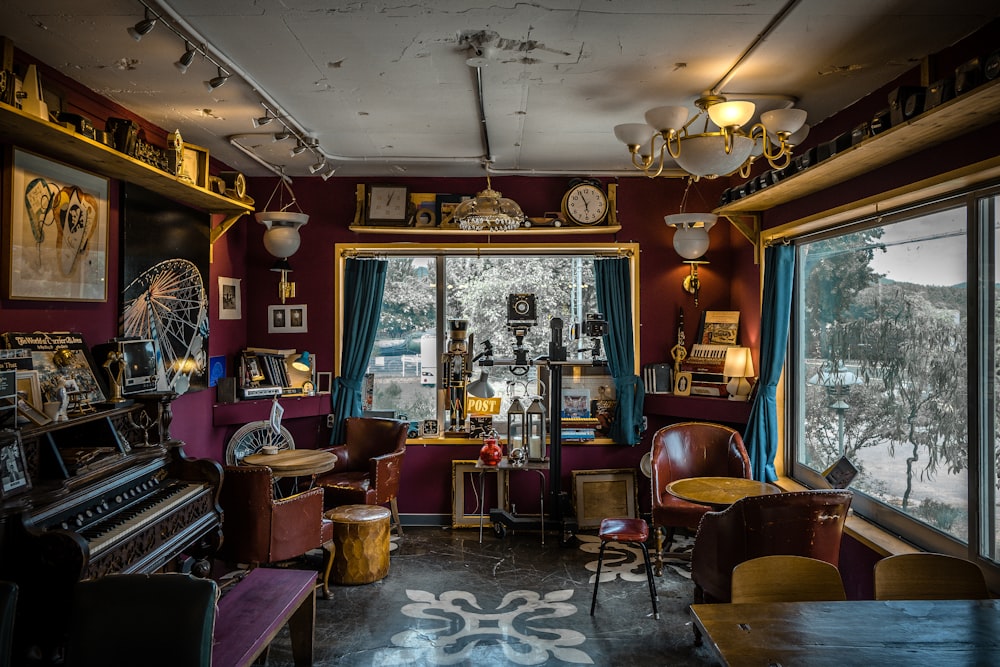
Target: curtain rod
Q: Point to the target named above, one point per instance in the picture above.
(491, 251)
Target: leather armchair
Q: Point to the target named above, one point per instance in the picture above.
(369, 464)
(259, 529)
(804, 523)
(690, 449)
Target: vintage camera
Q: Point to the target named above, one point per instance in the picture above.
(521, 309)
(595, 325)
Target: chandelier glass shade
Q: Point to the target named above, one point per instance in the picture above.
(281, 238)
(728, 148)
(489, 211)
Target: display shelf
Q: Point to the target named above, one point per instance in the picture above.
(975, 109)
(523, 231)
(697, 407)
(244, 412)
(54, 141)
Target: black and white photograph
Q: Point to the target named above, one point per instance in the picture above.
(13, 470)
(230, 299)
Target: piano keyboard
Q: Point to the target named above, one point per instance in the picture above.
(704, 353)
(106, 533)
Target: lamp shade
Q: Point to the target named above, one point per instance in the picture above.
(691, 242)
(731, 114)
(633, 134)
(783, 120)
(667, 118)
(303, 362)
(705, 154)
(282, 242)
(739, 362)
(481, 387)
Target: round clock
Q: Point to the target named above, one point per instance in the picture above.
(236, 183)
(585, 203)
(308, 388)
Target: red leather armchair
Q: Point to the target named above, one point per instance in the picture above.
(259, 529)
(803, 523)
(690, 449)
(369, 464)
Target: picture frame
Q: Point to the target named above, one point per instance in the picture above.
(387, 205)
(602, 493)
(230, 299)
(195, 164)
(290, 318)
(36, 416)
(465, 485)
(14, 477)
(575, 404)
(29, 384)
(324, 382)
(44, 264)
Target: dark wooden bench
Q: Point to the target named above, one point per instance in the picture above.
(255, 609)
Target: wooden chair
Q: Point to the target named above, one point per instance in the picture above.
(786, 579)
(929, 576)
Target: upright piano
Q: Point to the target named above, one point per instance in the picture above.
(106, 493)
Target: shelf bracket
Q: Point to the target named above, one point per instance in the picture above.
(220, 230)
(748, 224)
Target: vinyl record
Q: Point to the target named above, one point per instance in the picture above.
(645, 465)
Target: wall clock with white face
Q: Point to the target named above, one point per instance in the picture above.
(585, 203)
(387, 204)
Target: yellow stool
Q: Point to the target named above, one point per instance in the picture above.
(360, 547)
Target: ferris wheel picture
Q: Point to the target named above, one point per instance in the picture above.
(168, 303)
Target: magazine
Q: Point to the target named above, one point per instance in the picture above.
(61, 359)
(719, 327)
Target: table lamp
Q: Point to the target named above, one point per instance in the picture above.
(739, 366)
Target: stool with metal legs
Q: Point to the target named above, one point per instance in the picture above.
(629, 531)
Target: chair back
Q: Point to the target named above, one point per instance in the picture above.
(696, 449)
(786, 579)
(149, 619)
(368, 437)
(929, 576)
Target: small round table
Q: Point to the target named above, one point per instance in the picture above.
(294, 463)
(718, 492)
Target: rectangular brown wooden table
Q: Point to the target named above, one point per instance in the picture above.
(863, 632)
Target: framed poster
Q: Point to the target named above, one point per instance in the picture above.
(13, 469)
(288, 319)
(598, 494)
(56, 231)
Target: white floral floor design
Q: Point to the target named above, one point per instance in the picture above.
(625, 561)
(456, 627)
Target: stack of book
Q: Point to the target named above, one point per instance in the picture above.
(579, 429)
(658, 378)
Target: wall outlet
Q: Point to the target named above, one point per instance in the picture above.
(329, 420)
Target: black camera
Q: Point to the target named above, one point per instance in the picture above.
(595, 325)
(521, 309)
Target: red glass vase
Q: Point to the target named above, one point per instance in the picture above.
(491, 453)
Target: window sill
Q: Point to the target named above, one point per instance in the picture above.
(865, 532)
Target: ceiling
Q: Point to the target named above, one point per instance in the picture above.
(386, 90)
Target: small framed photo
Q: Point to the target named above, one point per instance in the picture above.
(576, 403)
(387, 205)
(13, 468)
(429, 428)
(288, 319)
(230, 299)
(29, 388)
(324, 382)
(37, 417)
(195, 164)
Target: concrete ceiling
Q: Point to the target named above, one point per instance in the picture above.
(385, 89)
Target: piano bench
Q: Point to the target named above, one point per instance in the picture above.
(251, 614)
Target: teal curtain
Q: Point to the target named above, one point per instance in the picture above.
(614, 300)
(364, 285)
(761, 436)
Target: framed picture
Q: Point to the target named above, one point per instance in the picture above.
(230, 299)
(387, 205)
(37, 417)
(598, 494)
(466, 511)
(195, 163)
(324, 382)
(13, 469)
(575, 403)
(56, 231)
(288, 319)
(30, 388)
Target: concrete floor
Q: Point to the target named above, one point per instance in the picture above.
(449, 600)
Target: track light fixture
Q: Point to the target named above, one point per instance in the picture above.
(319, 166)
(142, 27)
(263, 120)
(281, 136)
(218, 80)
(327, 175)
(298, 150)
(186, 58)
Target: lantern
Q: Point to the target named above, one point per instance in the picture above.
(516, 425)
(535, 429)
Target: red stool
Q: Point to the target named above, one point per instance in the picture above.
(630, 531)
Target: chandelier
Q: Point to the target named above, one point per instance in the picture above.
(713, 152)
(489, 211)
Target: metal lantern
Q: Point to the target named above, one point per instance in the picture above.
(535, 429)
(516, 425)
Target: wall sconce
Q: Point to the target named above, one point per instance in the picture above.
(739, 367)
(692, 283)
(286, 288)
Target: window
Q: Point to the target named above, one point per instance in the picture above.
(428, 287)
(892, 364)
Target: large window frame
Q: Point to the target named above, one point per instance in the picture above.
(978, 198)
(344, 251)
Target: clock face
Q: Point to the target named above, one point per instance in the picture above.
(585, 204)
(387, 203)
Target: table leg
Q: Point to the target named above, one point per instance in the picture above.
(541, 501)
(481, 504)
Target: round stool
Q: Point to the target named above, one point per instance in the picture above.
(360, 547)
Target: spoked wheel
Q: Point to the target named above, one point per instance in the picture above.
(252, 437)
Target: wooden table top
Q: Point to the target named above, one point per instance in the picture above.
(718, 491)
(856, 632)
(294, 462)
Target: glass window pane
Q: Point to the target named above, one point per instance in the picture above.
(883, 326)
(991, 457)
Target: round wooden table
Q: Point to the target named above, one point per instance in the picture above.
(718, 492)
(294, 462)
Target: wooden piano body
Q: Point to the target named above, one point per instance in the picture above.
(110, 493)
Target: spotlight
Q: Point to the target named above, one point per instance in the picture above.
(142, 27)
(217, 81)
(281, 136)
(319, 166)
(263, 120)
(186, 58)
(298, 150)
(328, 174)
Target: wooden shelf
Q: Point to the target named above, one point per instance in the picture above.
(54, 141)
(973, 110)
(523, 231)
(244, 412)
(698, 407)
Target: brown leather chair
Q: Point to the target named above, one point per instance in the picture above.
(690, 449)
(258, 529)
(369, 464)
(804, 523)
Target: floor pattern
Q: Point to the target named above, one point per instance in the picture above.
(450, 600)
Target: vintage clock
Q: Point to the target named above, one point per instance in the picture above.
(387, 204)
(585, 202)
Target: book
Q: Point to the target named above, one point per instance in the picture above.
(719, 327)
(60, 358)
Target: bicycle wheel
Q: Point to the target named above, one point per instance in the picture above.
(250, 438)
